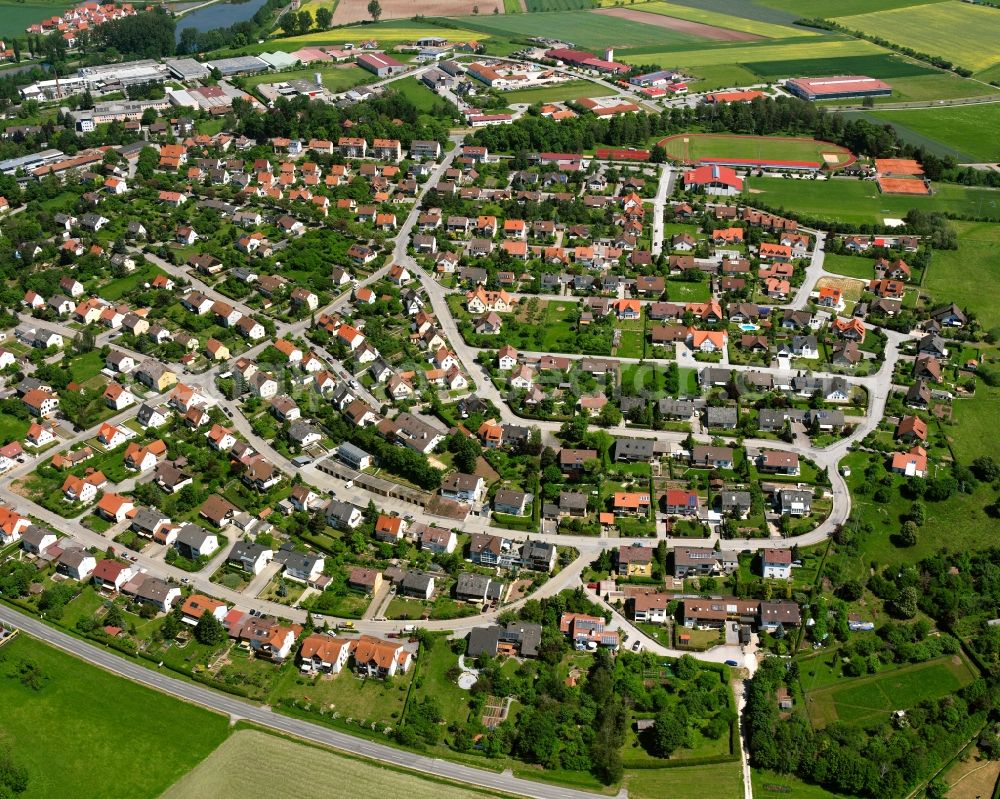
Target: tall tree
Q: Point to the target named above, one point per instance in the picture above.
(374, 10)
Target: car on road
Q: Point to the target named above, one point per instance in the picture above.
(732, 663)
(637, 646)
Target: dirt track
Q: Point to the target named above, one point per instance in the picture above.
(357, 10)
(681, 25)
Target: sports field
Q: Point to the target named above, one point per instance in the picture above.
(963, 33)
(297, 770)
(730, 21)
(754, 150)
(88, 734)
(970, 129)
(868, 698)
(584, 28)
(860, 200)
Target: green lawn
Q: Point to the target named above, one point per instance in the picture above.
(348, 695)
(83, 367)
(335, 79)
(86, 733)
(850, 265)
(965, 34)
(693, 147)
(12, 428)
(966, 129)
(568, 90)
(867, 698)
(418, 94)
(719, 781)
(123, 285)
(959, 275)
(974, 428)
(768, 784)
(860, 201)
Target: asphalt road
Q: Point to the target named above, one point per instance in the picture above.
(265, 717)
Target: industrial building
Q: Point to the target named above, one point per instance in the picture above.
(838, 88)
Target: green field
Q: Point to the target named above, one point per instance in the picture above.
(970, 129)
(721, 20)
(768, 784)
(821, 8)
(883, 65)
(719, 781)
(860, 201)
(570, 90)
(16, 17)
(965, 34)
(387, 33)
(694, 147)
(86, 733)
(583, 28)
(335, 79)
(755, 52)
(849, 265)
(974, 431)
(512, 7)
(868, 698)
(296, 769)
(418, 94)
(558, 5)
(959, 275)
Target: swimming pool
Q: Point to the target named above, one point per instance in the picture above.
(747, 327)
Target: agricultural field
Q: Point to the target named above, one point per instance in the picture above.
(749, 52)
(568, 90)
(722, 20)
(972, 776)
(970, 130)
(959, 275)
(66, 721)
(699, 147)
(346, 13)
(868, 698)
(300, 770)
(558, 5)
(963, 33)
(16, 17)
(666, 22)
(861, 201)
(584, 28)
(388, 34)
(882, 65)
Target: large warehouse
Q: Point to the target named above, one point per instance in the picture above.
(837, 88)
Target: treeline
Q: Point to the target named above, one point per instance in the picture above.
(239, 34)
(934, 60)
(375, 118)
(883, 760)
(147, 35)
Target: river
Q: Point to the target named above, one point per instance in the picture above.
(219, 15)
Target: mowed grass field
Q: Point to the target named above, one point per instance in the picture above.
(418, 94)
(295, 770)
(868, 698)
(961, 275)
(963, 33)
(88, 734)
(695, 147)
(336, 79)
(730, 21)
(568, 90)
(584, 28)
(970, 129)
(861, 201)
(718, 781)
